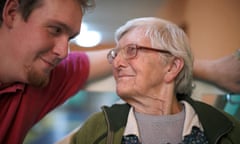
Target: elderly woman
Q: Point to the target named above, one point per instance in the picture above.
(152, 65)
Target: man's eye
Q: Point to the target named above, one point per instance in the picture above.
(55, 30)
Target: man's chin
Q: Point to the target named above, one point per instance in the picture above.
(38, 80)
(39, 83)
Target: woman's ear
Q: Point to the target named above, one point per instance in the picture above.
(9, 12)
(175, 67)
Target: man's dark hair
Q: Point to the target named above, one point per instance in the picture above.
(2, 3)
(27, 6)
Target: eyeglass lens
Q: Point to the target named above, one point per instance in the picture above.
(129, 51)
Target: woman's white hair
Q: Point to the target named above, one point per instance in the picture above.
(166, 35)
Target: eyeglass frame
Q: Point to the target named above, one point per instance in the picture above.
(115, 51)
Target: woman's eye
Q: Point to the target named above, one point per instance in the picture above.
(131, 50)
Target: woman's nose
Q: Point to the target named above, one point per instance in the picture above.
(119, 61)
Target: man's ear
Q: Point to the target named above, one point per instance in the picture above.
(9, 12)
(175, 67)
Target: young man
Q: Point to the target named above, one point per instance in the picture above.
(34, 38)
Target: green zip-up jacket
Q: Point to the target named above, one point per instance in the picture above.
(107, 127)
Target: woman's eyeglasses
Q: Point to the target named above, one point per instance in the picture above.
(130, 51)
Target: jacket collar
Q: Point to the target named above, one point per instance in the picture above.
(214, 122)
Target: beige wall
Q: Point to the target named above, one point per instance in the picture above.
(212, 25)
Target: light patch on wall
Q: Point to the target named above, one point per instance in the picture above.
(87, 38)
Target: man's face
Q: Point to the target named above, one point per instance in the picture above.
(40, 43)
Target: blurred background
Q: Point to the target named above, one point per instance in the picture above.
(213, 27)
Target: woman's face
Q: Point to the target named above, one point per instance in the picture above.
(142, 75)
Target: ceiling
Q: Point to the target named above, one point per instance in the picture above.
(108, 15)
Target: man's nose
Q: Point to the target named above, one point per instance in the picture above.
(61, 48)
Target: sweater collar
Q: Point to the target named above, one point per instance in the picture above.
(191, 119)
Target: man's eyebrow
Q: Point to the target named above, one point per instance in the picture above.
(67, 29)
